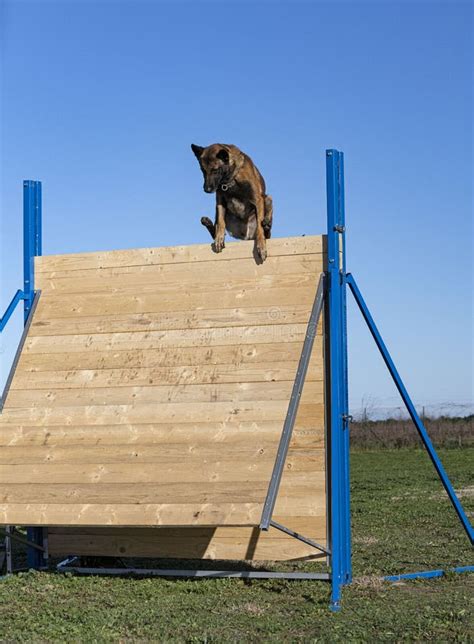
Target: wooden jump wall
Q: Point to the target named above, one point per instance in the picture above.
(147, 405)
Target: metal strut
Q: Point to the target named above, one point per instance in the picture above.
(300, 537)
(311, 329)
(18, 297)
(68, 565)
(410, 408)
(19, 349)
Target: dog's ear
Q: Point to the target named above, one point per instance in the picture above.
(197, 149)
(223, 155)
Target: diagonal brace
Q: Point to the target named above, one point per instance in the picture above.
(17, 537)
(300, 537)
(18, 297)
(282, 452)
(411, 408)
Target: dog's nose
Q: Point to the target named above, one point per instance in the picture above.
(206, 189)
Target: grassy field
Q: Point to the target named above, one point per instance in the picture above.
(402, 522)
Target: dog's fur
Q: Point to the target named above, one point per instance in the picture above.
(242, 207)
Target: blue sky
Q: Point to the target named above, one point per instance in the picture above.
(101, 101)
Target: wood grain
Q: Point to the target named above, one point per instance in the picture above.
(152, 391)
(284, 246)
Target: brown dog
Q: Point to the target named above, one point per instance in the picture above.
(242, 207)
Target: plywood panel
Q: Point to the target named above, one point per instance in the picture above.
(152, 391)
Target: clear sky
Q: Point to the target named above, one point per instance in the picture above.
(101, 100)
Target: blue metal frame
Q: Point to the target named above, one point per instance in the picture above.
(337, 393)
(32, 244)
(32, 247)
(337, 383)
(428, 574)
(16, 299)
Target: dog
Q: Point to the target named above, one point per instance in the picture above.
(242, 206)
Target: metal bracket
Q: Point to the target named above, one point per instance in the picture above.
(300, 537)
(26, 328)
(16, 299)
(12, 534)
(289, 423)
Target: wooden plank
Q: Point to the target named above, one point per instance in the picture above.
(167, 277)
(151, 514)
(195, 450)
(237, 355)
(191, 543)
(298, 523)
(227, 433)
(145, 340)
(163, 493)
(169, 320)
(184, 375)
(245, 547)
(77, 305)
(176, 254)
(51, 514)
(148, 413)
(174, 289)
(159, 394)
(219, 466)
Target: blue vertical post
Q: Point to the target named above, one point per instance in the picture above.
(32, 247)
(338, 411)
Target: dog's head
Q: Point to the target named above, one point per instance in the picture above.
(216, 164)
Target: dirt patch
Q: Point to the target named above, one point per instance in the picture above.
(466, 492)
(369, 581)
(366, 541)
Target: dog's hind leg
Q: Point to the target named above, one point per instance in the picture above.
(260, 237)
(207, 223)
(268, 218)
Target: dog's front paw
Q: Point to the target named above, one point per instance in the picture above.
(218, 245)
(205, 221)
(262, 252)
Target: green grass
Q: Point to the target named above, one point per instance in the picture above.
(402, 522)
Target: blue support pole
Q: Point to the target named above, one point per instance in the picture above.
(32, 246)
(29, 228)
(16, 299)
(411, 408)
(429, 574)
(338, 414)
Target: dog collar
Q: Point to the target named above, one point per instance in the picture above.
(225, 186)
